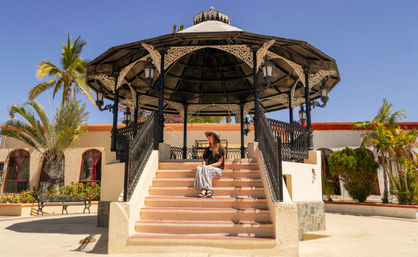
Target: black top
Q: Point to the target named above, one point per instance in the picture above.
(209, 159)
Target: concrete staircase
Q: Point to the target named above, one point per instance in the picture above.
(237, 214)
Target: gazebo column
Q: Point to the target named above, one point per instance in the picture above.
(241, 115)
(256, 96)
(185, 131)
(161, 100)
(136, 111)
(115, 116)
(290, 109)
(291, 119)
(308, 109)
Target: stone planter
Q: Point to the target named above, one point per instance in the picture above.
(17, 209)
(374, 209)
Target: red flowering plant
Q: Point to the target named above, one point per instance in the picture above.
(72, 192)
(22, 197)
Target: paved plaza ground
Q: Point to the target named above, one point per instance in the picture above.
(346, 235)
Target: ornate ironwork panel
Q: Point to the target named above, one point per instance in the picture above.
(294, 139)
(140, 149)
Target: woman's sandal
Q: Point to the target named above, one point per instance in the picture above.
(203, 193)
(209, 193)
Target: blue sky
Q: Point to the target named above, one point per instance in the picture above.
(375, 43)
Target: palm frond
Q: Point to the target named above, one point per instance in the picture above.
(21, 137)
(40, 111)
(30, 118)
(35, 91)
(82, 86)
(46, 68)
(58, 86)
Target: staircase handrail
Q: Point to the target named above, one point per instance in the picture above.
(294, 139)
(271, 157)
(123, 134)
(137, 152)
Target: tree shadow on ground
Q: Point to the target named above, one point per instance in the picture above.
(83, 225)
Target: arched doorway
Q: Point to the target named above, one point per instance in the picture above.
(331, 183)
(45, 181)
(17, 172)
(91, 167)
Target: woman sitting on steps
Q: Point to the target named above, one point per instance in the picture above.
(212, 165)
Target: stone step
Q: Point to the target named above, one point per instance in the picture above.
(196, 227)
(204, 214)
(168, 243)
(243, 173)
(222, 182)
(218, 191)
(193, 165)
(216, 201)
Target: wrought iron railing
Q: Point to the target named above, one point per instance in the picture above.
(271, 156)
(197, 153)
(134, 146)
(294, 139)
(139, 151)
(123, 134)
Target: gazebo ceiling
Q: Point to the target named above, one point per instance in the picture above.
(212, 71)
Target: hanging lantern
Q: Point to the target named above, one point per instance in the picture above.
(99, 99)
(149, 70)
(126, 116)
(246, 126)
(267, 70)
(302, 114)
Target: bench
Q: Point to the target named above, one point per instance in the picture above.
(64, 201)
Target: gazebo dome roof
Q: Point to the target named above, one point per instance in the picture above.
(210, 67)
(210, 26)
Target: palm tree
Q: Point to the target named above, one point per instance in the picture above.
(177, 29)
(379, 136)
(50, 139)
(70, 77)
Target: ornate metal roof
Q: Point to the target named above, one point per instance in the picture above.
(209, 66)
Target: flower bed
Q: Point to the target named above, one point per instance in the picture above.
(374, 209)
(21, 204)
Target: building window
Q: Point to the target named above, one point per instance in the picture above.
(17, 173)
(45, 182)
(91, 167)
(333, 183)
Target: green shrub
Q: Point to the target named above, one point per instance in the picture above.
(357, 170)
(78, 190)
(22, 197)
(405, 185)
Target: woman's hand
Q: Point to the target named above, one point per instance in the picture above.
(218, 163)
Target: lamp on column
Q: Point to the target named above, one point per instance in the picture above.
(149, 70)
(324, 95)
(246, 126)
(267, 71)
(302, 114)
(127, 116)
(99, 103)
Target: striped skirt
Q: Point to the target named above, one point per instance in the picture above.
(204, 176)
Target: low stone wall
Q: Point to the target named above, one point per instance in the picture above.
(103, 214)
(311, 216)
(373, 209)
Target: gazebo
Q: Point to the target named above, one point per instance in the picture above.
(212, 69)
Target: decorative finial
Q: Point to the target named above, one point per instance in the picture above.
(211, 15)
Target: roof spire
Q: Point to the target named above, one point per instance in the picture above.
(211, 15)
